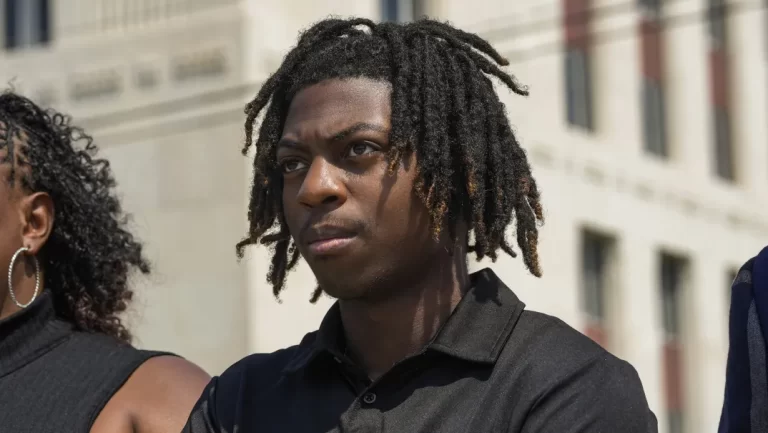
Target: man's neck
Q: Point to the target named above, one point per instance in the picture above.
(383, 332)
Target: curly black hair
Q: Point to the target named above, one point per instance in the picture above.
(471, 168)
(90, 254)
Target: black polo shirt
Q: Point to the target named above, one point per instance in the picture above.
(493, 367)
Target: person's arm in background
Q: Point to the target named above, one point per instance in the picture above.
(745, 406)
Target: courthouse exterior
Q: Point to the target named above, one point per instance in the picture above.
(645, 126)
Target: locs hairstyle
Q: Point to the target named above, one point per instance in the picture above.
(89, 254)
(470, 165)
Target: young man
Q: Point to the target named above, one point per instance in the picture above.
(383, 148)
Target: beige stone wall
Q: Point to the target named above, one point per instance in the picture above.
(163, 96)
(173, 132)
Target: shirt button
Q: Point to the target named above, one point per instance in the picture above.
(369, 398)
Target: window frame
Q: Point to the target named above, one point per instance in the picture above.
(578, 82)
(26, 23)
(402, 10)
(723, 143)
(654, 118)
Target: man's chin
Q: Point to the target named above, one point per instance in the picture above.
(345, 283)
(347, 290)
(343, 294)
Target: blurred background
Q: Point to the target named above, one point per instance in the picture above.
(646, 127)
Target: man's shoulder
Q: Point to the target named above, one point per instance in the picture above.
(570, 377)
(260, 367)
(243, 385)
(550, 348)
(263, 363)
(551, 335)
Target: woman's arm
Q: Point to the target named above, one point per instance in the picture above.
(157, 398)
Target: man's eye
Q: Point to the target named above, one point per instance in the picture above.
(292, 165)
(362, 148)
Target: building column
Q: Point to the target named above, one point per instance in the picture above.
(638, 302)
(749, 76)
(705, 325)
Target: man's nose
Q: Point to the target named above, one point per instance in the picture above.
(323, 185)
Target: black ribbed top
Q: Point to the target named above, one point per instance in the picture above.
(54, 378)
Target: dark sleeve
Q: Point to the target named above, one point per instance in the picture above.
(604, 395)
(204, 418)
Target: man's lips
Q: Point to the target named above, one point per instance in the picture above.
(322, 240)
(330, 245)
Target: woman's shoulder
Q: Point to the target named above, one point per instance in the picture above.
(152, 390)
(157, 397)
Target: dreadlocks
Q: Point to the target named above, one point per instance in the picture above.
(470, 166)
(89, 254)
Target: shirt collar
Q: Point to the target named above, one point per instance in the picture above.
(326, 340)
(481, 324)
(28, 334)
(476, 331)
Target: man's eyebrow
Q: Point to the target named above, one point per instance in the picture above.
(287, 142)
(357, 127)
(338, 136)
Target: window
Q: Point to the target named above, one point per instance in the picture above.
(675, 422)
(650, 4)
(654, 128)
(673, 270)
(723, 149)
(672, 274)
(27, 23)
(596, 255)
(578, 87)
(577, 63)
(716, 18)
(402, 10)
(652, 8)
(652, 86)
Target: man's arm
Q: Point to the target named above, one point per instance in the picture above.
(203, 418)
(604, 395)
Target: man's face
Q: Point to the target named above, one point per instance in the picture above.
(362, 231)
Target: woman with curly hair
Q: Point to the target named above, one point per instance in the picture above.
(66, 363)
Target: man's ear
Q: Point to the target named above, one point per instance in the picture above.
(37, 220)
